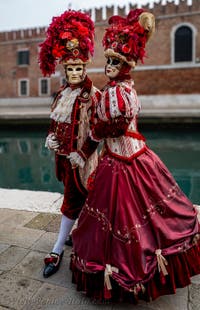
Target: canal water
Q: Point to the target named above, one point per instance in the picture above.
(26, 164)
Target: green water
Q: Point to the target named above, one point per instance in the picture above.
(26, 164)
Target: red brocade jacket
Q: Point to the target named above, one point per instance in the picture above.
(117, 122)
(73, 113)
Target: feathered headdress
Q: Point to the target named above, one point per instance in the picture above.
(126, 37)
(69, 40)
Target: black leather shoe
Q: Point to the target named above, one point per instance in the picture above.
(52, 263)
(69, 241)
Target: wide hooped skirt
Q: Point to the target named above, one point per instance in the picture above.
(135, 233)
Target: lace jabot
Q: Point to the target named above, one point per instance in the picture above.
(63, 110)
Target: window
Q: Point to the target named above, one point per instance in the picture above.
(183, 44)
(23, 89)
(44, 88)
(23, 57)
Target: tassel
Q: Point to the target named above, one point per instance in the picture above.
(162, 262)
(139, 287)
(108, 272)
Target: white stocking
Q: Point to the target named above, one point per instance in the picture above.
(65, 228)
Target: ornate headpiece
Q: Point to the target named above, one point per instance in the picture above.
(69, 40)
(126, 37)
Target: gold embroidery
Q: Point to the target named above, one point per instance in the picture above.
(132, 234)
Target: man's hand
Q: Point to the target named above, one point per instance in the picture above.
(52, 142)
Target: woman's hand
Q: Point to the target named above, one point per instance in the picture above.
(76, 160)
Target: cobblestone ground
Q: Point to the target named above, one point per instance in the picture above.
(25, 238)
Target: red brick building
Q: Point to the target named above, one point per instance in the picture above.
(172, 66)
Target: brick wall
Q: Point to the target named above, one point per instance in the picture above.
(167, 81)
(155, 81)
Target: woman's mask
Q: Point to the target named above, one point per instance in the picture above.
(113, 67)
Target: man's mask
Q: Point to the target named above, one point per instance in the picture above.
(113, 67)
(74, 73)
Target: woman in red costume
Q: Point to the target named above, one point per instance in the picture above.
(142, 230)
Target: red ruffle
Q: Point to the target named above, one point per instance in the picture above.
(181, 267)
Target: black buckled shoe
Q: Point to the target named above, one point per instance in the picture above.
(52, 263)
(69, 241)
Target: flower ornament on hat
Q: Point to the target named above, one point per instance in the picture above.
(69, 40)
(126, 37)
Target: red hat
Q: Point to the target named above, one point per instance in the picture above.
(126, 37)
(69, 40)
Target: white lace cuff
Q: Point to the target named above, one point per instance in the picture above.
(76, 159)
(95, 139)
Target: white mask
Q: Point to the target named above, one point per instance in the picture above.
(113, 67)
(74, 73)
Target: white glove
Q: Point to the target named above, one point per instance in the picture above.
(76, 160)
(52, 142)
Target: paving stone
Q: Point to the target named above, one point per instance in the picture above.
(31, 266)
(47, 296)
(12, 256)
(16, 291)
(45, 243)
(54, 225)
(15, 218)
(194, 293)
(19, 236)
(41, 221)
(3, 247)
(141, 306)
(59, 298)
(23, 249)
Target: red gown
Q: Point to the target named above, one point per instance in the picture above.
(135, 231)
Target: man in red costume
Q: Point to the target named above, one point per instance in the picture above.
(70, 40)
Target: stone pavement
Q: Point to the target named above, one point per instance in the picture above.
(25, 238)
